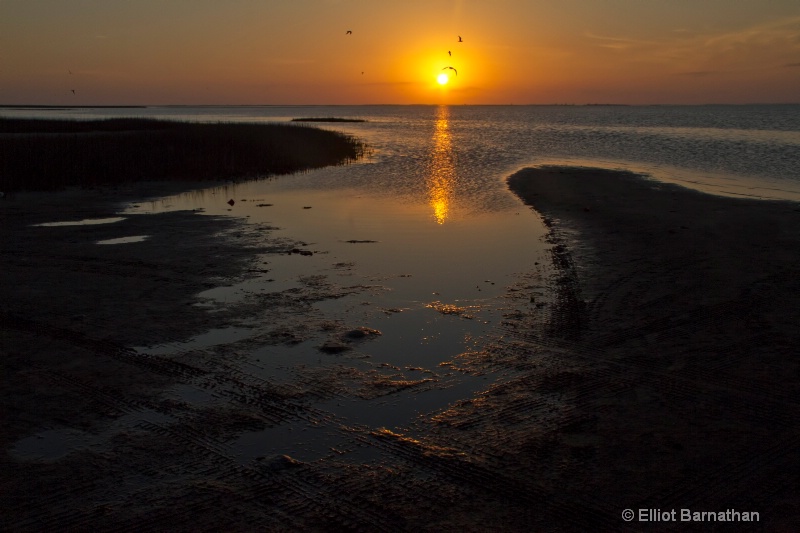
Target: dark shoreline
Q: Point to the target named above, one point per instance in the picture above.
(50, 154)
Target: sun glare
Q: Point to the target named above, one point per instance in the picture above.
(442, 78)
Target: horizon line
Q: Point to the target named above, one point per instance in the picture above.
(588, 104)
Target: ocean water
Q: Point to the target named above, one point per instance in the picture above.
(427, 228)
(742, 150)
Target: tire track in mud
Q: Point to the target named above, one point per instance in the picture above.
(718, 379)
(684, 384)
(759, 470)
(472, 477)
(65, 519)
(210, 455)
(540, 407)
(609, 375)
(282, 391)
(284, 489)
(278, 402)
(696, 319)
(256, 394)
(221, 379)
(154, 520)
(566, 277)
(101, 396)
(752, 402)
(50, 513)
(355, 512)
(252, 396)
(153, 363)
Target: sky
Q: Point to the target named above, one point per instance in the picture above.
(279, 52)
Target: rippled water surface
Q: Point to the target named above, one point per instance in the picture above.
(751, 150)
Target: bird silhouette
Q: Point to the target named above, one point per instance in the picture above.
(73, 91)
(349, 32)
(451, 68)
(448, 53)
(459, 39)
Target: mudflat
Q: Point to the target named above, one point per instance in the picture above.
(685, 318)
(663, 374)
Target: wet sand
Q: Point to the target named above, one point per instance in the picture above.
(663, 375)
(684, 325)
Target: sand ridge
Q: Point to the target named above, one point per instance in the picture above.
(689, 305)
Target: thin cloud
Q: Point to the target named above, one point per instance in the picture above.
(785, 32)
(776, 42)
(760, 45)
(697, 74)
(619, 43)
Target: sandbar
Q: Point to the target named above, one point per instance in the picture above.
(681, 311)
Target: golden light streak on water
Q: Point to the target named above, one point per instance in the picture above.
(441, 169)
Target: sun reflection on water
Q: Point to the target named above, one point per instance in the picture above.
(441, 169)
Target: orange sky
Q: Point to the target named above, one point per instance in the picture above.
(297, 51)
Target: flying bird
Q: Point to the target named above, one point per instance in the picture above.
(349, 32)
(451, 68)
(73, 91)
(459, 39)
(448, 53)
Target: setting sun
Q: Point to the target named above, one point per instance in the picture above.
(442, 79)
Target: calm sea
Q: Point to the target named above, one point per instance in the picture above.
(747, 150)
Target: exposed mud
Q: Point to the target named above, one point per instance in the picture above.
(602, 387)
(685, 362)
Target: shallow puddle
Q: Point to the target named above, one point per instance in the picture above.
(49, 445)
(307, 442)
(190, 394)
(432, 280)
(53, 444)
(84, 222)
(124, 240)
(211, 338)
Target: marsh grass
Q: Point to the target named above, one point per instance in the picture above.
(38, 154)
